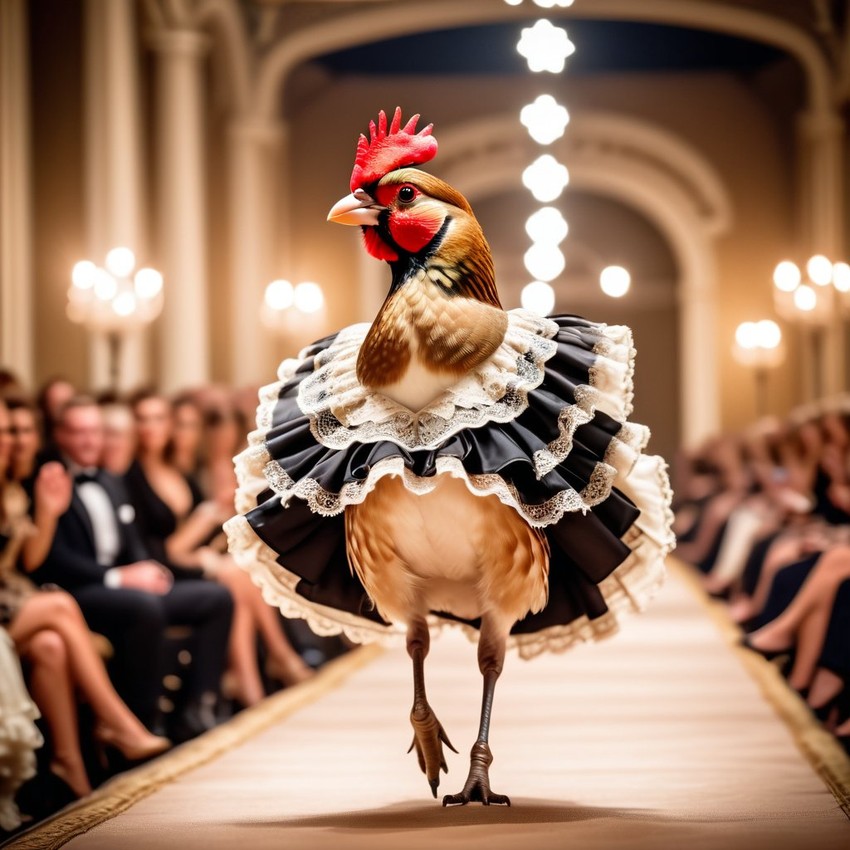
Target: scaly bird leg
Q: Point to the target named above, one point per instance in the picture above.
(491, 657)
(428, 733)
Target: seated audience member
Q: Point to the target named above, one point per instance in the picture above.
(187, 436)
(119, 437)
(800, 629)
(223, 436)
(776, 500)
(179, 527)
(26, 437)
(702, 534)
(791, 590)
(52, 397)
(124, 594)
(50, 634)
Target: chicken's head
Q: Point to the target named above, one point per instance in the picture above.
(402, 210)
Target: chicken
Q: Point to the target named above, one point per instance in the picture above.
(469, 450)
(441, 319)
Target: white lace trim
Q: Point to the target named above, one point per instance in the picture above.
(617, 345)
(343, 412)
(623, 450)
(628, 589)
(327, 503)
(19, 736)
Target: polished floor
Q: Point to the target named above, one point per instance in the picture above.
(658, 738)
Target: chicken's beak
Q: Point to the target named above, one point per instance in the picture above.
(358, 208)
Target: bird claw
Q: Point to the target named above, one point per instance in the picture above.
(428, 739)
(477, 787)
(478, 793)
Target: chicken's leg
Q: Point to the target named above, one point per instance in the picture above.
(491, 657)
(428, 733)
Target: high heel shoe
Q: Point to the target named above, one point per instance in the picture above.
(292, 673)
(130, 752)
(73, 788)
(768, 654)
(824, 712)
(837, 709)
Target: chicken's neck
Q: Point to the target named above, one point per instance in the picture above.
(441, 319)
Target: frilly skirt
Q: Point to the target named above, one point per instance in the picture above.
(542, 425)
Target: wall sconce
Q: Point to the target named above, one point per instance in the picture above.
(758, 346)
(111, 299)
(809, 300)
(286, 307)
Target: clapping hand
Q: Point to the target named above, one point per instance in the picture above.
(53, 489)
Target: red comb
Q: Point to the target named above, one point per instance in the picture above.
(386, 151)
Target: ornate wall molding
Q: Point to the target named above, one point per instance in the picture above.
(396, 19)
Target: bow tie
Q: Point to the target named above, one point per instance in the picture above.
(87, 475)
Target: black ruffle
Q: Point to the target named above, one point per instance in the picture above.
(586, 545)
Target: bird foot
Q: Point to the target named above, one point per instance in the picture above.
(477, 787)
(428, 739)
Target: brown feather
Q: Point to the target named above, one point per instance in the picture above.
(449, 310)
(448, 550)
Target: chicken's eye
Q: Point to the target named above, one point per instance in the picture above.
(406, 194)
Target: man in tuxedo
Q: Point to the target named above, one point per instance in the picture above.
(99, 557)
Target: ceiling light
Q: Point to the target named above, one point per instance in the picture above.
(786, 276)
(280, 294)
(547, 225)
(841, 277)
(147, 283)
(805, 298)
(105, 286)
(545, 119)
(768, 334)
(546, 178)
(308, 297)
(819, 270)
(615, 281)
(538, 297)
(545, 47)
(120, 261)
(545, 262)
(84, 274)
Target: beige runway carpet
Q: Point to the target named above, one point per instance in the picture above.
(659, 738)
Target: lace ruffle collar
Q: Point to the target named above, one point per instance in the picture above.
(342, 411)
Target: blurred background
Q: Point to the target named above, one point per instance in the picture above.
(706, 144)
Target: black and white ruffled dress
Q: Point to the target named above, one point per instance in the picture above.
(541, 425)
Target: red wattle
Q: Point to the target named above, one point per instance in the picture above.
(377, 247)
(413, 231)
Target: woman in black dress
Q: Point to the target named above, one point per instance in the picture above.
(180, 526)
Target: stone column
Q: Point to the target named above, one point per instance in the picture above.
(182, 227)
(113, 159)
(698, 379)
(258, 235)
(16, 284)
(822, 139)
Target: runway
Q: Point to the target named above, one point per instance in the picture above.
(661, 737)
